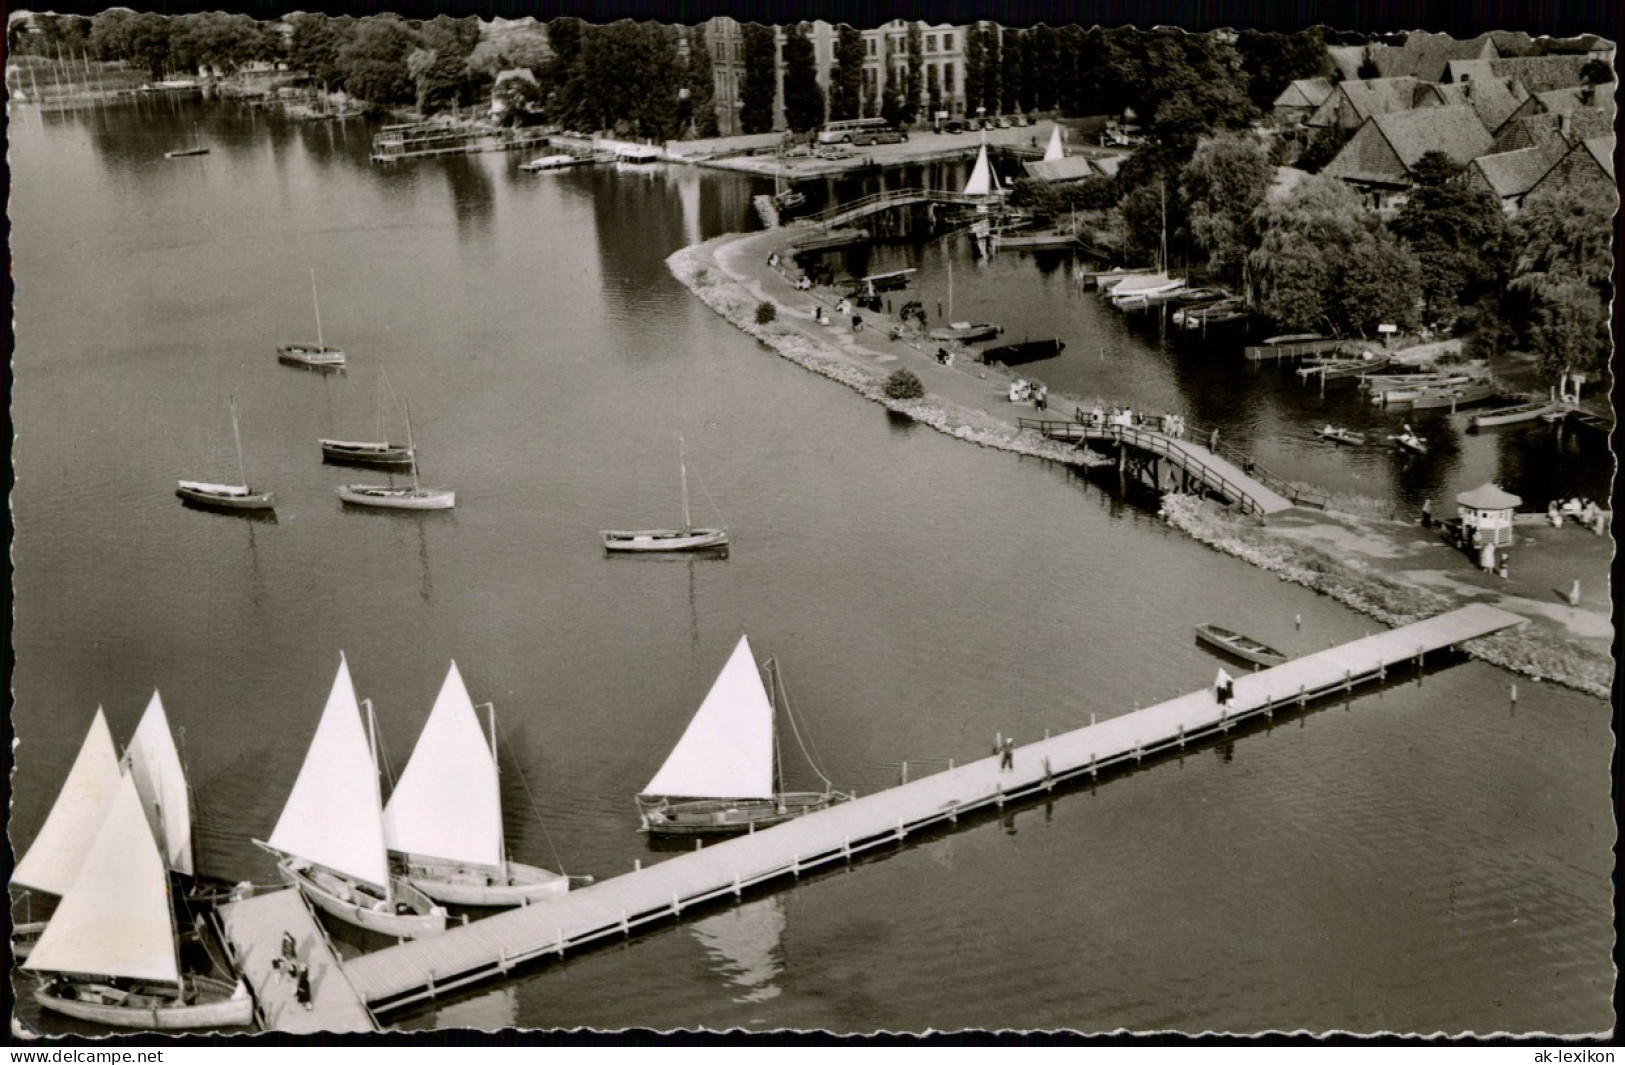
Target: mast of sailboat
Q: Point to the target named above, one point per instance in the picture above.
(237, 435)
(377, 788)
(682, 465)
(411, 449)
(778, 762)
(950, 282)
(317, 303)
(496, 766)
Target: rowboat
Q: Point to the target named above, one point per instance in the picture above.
(1523, 412)
(966, 332)
(1243, 647)
(1060, 238)
(1455, 396)
(1409, 441)
(1327, 368)
(1339, 435)
(1026, 351)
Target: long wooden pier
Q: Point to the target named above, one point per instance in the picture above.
(252, 930)
(417, 971)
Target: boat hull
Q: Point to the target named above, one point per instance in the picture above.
(1019, 354)
(1233, 643)
(224, 1006)
(1342, 436)
(728, 817)
(664, 539)
(215, 501)
(1513, 415)
(415, 915)
(309, 355)
(966, 336)
(388, 498)
(365, 453)
(461, 885)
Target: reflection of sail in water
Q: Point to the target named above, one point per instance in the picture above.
(744, 942)
(492, 1011)
(688, 193)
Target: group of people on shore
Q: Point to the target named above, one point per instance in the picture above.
(1583, 511)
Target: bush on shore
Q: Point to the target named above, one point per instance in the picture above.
(904, 384)
(766, 312)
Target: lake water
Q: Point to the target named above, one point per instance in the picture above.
(1421, 858)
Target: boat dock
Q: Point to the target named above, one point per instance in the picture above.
(1266, 352)
(418, 970)
(252, 931)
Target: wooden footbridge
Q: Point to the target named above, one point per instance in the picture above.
(845, 213)
(1143, 451)
(417, 971)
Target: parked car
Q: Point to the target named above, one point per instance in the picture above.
(800, 151)
(1020, 120)
(954, 127)
(1001, 122)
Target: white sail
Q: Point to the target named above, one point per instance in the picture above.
(1054, 151)
(333, 816)
(161, 782)
(727, 749)
(64, 840)
(115, 920)
(448, 803)
(981, 175)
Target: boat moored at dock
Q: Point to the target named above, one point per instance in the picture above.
(1522, 412)
(965, 332)
(1024, 352)
(1243, 647)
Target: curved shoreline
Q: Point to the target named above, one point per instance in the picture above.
(714, 271)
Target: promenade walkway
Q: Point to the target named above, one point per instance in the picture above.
(418, 970)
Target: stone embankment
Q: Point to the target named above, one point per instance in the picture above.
(1388, 569)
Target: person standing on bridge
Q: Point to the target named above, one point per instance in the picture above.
(1213, 440)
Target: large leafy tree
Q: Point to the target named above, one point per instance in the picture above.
(993, 72)
(566, 77)
(803, 96)
(373, 62)
(1560, 283)
(1272, 61)
(891, 97)
(315, 44)
(700, 80)
(1458, 234)
(756, 94)
(933, 91)
(846, 88)
(914, 83)
(1011, 74)
(975, 63)
(1043, 68)
(1376, 283)
(1222, 186)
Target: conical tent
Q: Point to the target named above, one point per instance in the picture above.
(65, 839)
(333, 816)
(1054, 151)
(727, 749)
(115, 919)
(161, 782)
(448, 803)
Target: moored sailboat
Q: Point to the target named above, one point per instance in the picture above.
(238, 497)
(330, 838)
(688, 538)
(723, 776)
(379, 452)
(390, 497)
(319, 355)
(443, 823)
(111, 947)
(53, 859)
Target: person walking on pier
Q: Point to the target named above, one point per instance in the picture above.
(1007, 754)
(288, 961)
(1224, 687)
(301, 987)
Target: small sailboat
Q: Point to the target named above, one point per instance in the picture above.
(723, 776)
(1409, 441)
(237, 496)
(443, 823)
(318, 355)
(389, 497)
(197, 147)
(111, 947)
(379, 452)
(964, 332)
(53, 859)
(329, 840)
(688, 538)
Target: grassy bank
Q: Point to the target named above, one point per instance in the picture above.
(1531, 649)
(696, 268)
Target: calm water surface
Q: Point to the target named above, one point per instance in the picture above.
(1421, 858)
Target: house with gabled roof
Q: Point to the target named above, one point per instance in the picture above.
(1588, 166)
(1578, 112)
(1380, 156)
(1352, 102)
(1531, 131)
(1495, 99)
(1301, 99)
(1425, 56)
(1509, 176)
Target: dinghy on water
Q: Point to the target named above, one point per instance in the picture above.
(330, 841)
(723, 777)
(443, 823)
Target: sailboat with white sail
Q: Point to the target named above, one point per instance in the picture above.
(234, 497)
(443, 822)
(111, 948)
(330, 837)
(723, 777)
(390, 497)
(320, 355)
(688, 538)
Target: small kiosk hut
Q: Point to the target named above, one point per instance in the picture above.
(1486, 516)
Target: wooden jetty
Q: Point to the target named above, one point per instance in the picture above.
(418, 970)
(252, 931)
(1265, 352)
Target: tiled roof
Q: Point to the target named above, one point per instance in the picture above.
(1347, 59)
(1588, 122)
(1511, 174)
(1564, 101)
(1490, 97)
(1542, 73)
(1456, 131)
(1426, 56)
(1530, 131)
(1380, 96)
(1489, 497)
(1602, 150)
(1305, 92)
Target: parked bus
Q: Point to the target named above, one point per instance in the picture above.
(861, 131)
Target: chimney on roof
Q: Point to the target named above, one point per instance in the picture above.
(1563, 125)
